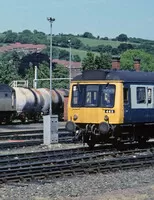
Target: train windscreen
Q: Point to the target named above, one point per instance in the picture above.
(107, 96)
(93, 95)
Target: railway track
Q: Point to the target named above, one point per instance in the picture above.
(30, 134)
(21, 138)
(54, 164)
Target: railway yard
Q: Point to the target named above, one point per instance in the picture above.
(67, 170)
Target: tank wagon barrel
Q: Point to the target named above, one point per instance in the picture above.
(57, 100)
(29, 103)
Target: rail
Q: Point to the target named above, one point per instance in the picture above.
(50, 166)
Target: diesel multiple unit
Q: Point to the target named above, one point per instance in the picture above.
(111, 106)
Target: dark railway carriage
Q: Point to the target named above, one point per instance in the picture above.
(7, 103)
(112, 106)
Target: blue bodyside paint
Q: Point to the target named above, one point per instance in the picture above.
(141, 115)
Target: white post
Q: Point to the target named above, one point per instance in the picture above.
(50, 121)
(35, 78)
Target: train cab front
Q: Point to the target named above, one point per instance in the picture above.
(94, 108)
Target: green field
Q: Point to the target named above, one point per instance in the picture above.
(96, 42)
(81, 53)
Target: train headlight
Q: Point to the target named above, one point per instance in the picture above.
(75, 117)
(70, 126)
(104, 127)
(106, 118)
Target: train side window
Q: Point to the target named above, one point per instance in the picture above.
(149, 95)
(141, 95)
(125, 95)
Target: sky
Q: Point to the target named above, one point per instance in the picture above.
(106, 18)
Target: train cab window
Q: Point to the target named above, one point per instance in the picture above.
(91, 98)
(77, 95)
(125, 95)
(107, 96)
(141, 95)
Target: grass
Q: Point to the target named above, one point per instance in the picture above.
(81, 53)
(96, 42)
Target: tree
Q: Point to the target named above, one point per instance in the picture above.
(89, 61)
(39, 37)
(103, 61)
(147, 60)
(43, 73)
(88, 35)
(124, 47)
(76, 58)
(10, 37)
(26, 37)
(8, 72)
(62, 40)
(58, 71)
(122, 37)
(64, 55)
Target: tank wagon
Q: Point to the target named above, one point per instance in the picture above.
(29, 103)
(111, 106)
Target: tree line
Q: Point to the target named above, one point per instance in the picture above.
(16, 65)
(61, 40)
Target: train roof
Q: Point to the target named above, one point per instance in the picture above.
(124, 75)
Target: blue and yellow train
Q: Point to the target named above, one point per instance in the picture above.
(111, 106)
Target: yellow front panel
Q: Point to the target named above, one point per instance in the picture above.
(97, 114)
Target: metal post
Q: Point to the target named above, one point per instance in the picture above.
(51, 20)
(50, 121)
(35, 79)
(70, 62)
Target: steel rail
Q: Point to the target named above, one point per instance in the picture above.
(22, 143)
(42, 170)
(30, 135)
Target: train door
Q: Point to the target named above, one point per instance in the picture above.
(127, 104)
(150, 103)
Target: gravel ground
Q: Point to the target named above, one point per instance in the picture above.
(124, 185)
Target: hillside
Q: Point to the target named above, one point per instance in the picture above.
(80, 44)
(95, 42)
(78, 52)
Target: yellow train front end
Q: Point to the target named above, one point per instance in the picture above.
(95, 109)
